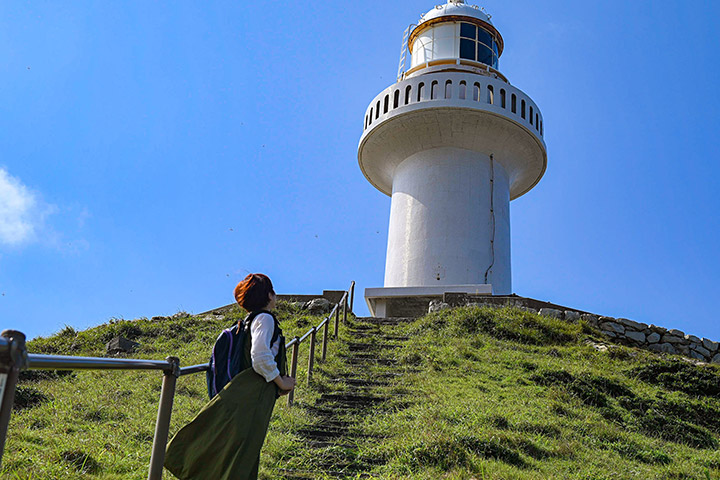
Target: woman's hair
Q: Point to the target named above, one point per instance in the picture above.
(253, 293)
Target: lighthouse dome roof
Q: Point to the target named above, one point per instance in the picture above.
(456, 7)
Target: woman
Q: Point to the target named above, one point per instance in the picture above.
(256, 295)
(223, 442)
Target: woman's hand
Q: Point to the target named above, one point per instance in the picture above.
(285, 384)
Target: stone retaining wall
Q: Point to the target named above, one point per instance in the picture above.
(619, 330)
(657, 339)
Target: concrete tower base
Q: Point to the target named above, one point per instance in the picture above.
(449, 222)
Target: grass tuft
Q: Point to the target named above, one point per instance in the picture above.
(680, 376)
(450, 453)
(28, 397)
(80, 461)
(505, 323)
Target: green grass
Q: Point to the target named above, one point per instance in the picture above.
(506, 394)
(100, 424)
(486, 394)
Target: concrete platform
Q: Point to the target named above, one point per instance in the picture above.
(413, 301)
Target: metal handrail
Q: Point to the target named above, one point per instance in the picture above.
(307, 334)
(14, 357)
(66, 362)
(202, 367)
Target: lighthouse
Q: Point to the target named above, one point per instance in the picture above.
(451, 142)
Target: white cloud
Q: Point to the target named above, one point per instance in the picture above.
(22, 213)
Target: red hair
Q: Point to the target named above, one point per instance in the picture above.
(253, 293)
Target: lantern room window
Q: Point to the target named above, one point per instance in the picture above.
(478, 44)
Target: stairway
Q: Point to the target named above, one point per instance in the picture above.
(365, 383)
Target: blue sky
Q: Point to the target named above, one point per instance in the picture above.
(153, 153)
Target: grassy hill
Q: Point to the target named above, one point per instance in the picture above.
(469, 393)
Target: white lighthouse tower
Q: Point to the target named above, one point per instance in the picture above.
(452, 142)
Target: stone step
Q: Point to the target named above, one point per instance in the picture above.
(358, 387)
(363, 328)
(387, 338)
(376, 376)
(365, 354)
(393, 321)
(327, 434)
(322, 412)
(364, 347)
(333, 423)
(373, 391)
(350, 399)
(366, 361)
(323, 433)
(321, 444)
(349, 469)
(326, 410)
(360, 382)
(292, 474)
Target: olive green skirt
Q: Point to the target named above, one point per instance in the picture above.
(223, 441)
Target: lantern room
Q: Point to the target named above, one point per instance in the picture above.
(455, 31)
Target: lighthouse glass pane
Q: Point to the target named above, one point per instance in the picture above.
(444, 41)
(484, 54)
(422, 49)
(484, 37)
(467, 49)
(495, 49)
(468, 30)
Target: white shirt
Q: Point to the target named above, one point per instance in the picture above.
(262, 353)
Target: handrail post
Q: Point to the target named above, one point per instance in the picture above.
(325, 338)
(311, 356)
(12, 358)
(345, 308)
(293, 370)
(337, 320)
(162, 426)
(352, 295)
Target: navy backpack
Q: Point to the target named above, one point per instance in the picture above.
(228, 354)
